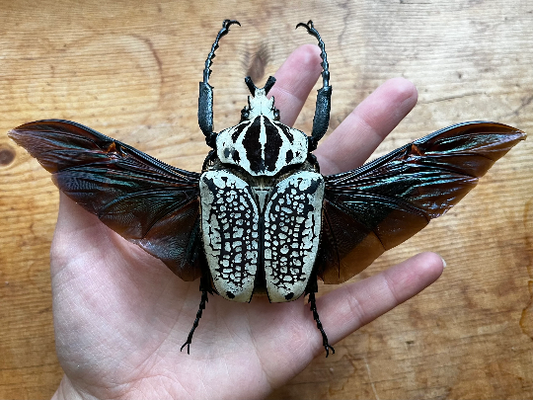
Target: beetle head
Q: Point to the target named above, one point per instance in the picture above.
(258, 103)
(260, 144)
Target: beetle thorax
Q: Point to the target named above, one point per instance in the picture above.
(260, 144)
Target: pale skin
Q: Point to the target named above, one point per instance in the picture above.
(121, 316)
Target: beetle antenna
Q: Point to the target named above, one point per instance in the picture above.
(323, 100)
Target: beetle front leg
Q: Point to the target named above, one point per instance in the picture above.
(205, 97)
(205, 113)
(323, 100)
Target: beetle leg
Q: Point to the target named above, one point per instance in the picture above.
(205, 98)
(312, 289)
(201, 307)
(323, 100)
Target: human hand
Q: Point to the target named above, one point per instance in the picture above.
(121, 316)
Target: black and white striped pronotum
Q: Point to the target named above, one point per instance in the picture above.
(260, 217)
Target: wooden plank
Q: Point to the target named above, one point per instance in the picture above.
(132, 73)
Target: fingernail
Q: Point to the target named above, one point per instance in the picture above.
(443, 263)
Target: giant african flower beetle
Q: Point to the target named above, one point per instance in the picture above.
(260, 217)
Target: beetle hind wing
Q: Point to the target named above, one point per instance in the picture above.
(146, 201)
(383, 203)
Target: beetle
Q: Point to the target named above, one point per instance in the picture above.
(260, 217)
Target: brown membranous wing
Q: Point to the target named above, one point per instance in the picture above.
(381, 204)
(146, 201)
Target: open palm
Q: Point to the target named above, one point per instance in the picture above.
(121, 316)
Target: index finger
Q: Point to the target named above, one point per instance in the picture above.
(364, 129)
(295, 80)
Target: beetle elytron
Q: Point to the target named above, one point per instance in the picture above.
(260, 216)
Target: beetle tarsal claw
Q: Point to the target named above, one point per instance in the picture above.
(188, 344)
(309, 26)
(328, 348)
(228, 22)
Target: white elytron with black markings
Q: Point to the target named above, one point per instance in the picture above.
(260, 217)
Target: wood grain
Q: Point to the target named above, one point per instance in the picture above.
(131, 70)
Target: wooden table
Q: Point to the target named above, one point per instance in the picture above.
(131, 70)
